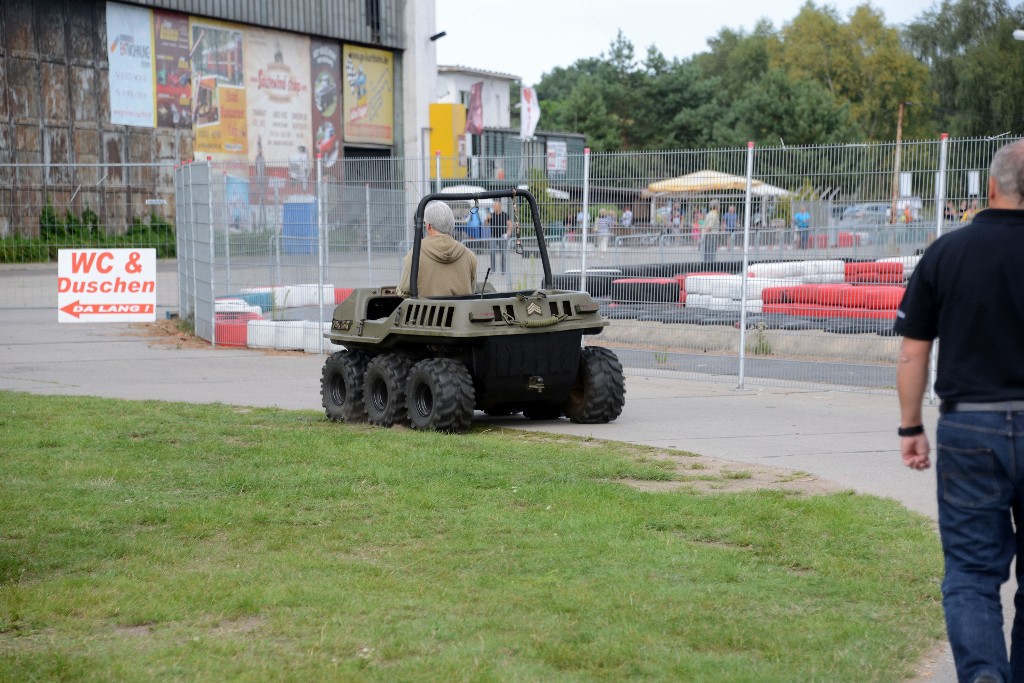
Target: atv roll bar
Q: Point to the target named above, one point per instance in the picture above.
(468, 196)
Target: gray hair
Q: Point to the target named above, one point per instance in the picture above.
(438, 215)
(1007, 170)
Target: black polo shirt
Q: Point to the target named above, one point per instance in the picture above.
(968, 290)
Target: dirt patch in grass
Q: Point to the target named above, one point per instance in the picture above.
(709, 475)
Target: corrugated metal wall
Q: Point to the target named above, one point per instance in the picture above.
(374, 22)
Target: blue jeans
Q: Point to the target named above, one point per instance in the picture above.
(980, 473)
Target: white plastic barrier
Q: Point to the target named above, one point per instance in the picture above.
(260, 334)
(734, 305)
(287, 335)
(236, 306)
(909, 263)
(699, 300)
(295, 296)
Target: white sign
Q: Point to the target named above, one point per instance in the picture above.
(558, 156)
(130, 58)
(106, 285)
(973, 183)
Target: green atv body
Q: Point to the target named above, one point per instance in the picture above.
(429, 362)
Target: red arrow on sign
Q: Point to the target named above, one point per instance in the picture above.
(77, 309)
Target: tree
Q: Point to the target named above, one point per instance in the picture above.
(977, 68)
(861, 62)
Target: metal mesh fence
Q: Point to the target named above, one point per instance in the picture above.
(48, 207)
(774, 266)
(781, 265)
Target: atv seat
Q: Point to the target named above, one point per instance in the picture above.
(381, 306)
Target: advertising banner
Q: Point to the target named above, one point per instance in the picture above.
(558, 157)
(278, 93)
(130, 57)
(326, 75)
(218, 90)
(369, 109)
(106, 285)
(173, 71)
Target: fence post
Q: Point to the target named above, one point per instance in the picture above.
(320, 241)
(192, 243)
(746, 266)
(369, 237)
(213, 251)
(940, 216)
(586, 217)
(437, 174)
(227, 233)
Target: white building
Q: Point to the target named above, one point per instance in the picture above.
(453, 87)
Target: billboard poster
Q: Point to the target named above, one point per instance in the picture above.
(130, 59)
(173, 72)
(558, 157)
(278, 94)
(326, 74)
(218, 89)
(369, 95)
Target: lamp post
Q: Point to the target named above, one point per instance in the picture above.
(896, 163)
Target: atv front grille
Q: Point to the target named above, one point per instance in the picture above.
(429, 315)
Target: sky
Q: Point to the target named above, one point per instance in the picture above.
(527, 38)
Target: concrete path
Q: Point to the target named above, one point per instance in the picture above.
(844, 437)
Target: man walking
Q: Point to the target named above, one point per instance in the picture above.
(967, 292)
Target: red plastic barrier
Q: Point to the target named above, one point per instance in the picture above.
(816, 311)
(777, 295)
(847, 239)
(882, 297)
(232, 329)
(839, 295)
(890, 272)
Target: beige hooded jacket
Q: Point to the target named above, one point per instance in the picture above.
(447, 268)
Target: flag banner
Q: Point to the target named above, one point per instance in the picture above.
(475, 116)
(529, 113)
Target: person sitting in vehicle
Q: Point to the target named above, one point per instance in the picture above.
(447, 268)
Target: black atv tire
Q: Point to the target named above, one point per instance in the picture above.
(384, 389)
(542, 411)
(600, 388)
(341, 386)
(440, 395)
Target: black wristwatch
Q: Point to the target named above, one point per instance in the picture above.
(910, 431)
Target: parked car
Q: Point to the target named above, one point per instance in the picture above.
(872, 213)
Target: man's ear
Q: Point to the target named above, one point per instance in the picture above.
(991, 189)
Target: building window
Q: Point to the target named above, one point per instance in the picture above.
(373, 19)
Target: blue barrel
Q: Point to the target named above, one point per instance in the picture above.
(298, 227)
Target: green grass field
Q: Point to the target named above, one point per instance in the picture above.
(145, 540)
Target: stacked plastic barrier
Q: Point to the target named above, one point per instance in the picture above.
(242, 319)
(810, 294)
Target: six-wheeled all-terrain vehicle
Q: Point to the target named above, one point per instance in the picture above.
(430, 361)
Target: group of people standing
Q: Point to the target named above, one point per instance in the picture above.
(965, 214)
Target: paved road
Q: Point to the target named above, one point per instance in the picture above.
(845, 437)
